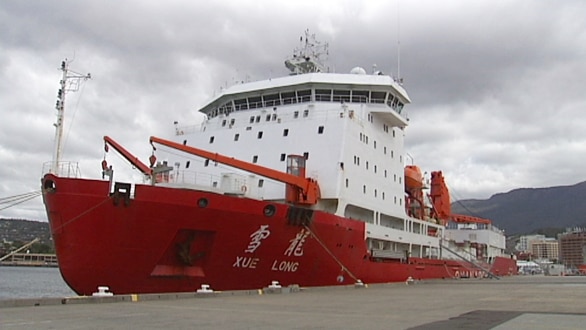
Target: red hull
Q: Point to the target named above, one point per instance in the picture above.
(175, 240)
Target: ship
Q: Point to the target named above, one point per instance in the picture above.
(297, 180)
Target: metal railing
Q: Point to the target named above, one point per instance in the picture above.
(64, 169)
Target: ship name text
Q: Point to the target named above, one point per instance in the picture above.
(285, 266)
(245, 262)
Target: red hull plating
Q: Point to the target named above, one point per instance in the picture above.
(174, 240)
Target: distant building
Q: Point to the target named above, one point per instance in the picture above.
(526, 240)
(547, 248)
(572, 246)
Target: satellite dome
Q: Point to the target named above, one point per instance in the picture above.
(358, 70)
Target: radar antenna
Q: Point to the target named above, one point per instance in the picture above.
(309, 56)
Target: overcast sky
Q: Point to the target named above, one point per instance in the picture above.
(498, 87)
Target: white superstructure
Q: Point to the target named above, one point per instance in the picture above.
(350, 129)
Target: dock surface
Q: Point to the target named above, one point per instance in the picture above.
(520, 302)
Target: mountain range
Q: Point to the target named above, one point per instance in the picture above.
(527, 210)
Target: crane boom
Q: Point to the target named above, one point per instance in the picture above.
(305, 190)
(127, 155)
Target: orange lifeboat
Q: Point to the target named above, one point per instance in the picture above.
(413, 178)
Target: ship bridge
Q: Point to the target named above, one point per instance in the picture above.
(384, 95)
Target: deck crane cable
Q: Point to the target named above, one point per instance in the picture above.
(462, 205)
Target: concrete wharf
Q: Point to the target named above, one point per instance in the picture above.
(520, 302)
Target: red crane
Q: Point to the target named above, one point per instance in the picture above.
(300, 190)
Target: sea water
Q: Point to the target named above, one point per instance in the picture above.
(32, 282)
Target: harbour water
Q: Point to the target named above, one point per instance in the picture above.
(32, 282)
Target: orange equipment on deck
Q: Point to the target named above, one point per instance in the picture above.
(442, 209)
(439, 195)
(300, 190)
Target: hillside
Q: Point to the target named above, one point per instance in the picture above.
(16, 232)
(526, 210)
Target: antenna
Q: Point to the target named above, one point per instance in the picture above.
(399, 79)
(70, 82)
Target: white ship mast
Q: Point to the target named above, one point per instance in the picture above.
(70, 82)
(308, 57)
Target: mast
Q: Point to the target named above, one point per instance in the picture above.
(70, 82)
(308, 57)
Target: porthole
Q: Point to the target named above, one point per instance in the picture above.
(202, 202)
(49, 186)
(269, 210)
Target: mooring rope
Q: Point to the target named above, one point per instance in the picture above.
(344, 268)
(83, 213)
(18, 199)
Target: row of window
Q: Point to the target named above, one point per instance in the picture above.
(308, 95)
(259, 134)
(375, 168)
(376, 194)
(269, 117)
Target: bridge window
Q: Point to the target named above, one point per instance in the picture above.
(323, 95)
(360, 96)
(254, 102)
(341, 96)
(390, 100)
(272, 100)
(289, 97)
(304, 95)
(377, 97)
(240, 104)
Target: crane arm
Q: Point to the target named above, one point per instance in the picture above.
(469, 219)
(127, 155)
(309, 189)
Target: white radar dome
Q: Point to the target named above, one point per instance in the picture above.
(358, 70)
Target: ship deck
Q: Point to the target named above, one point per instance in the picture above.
(518, 302)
